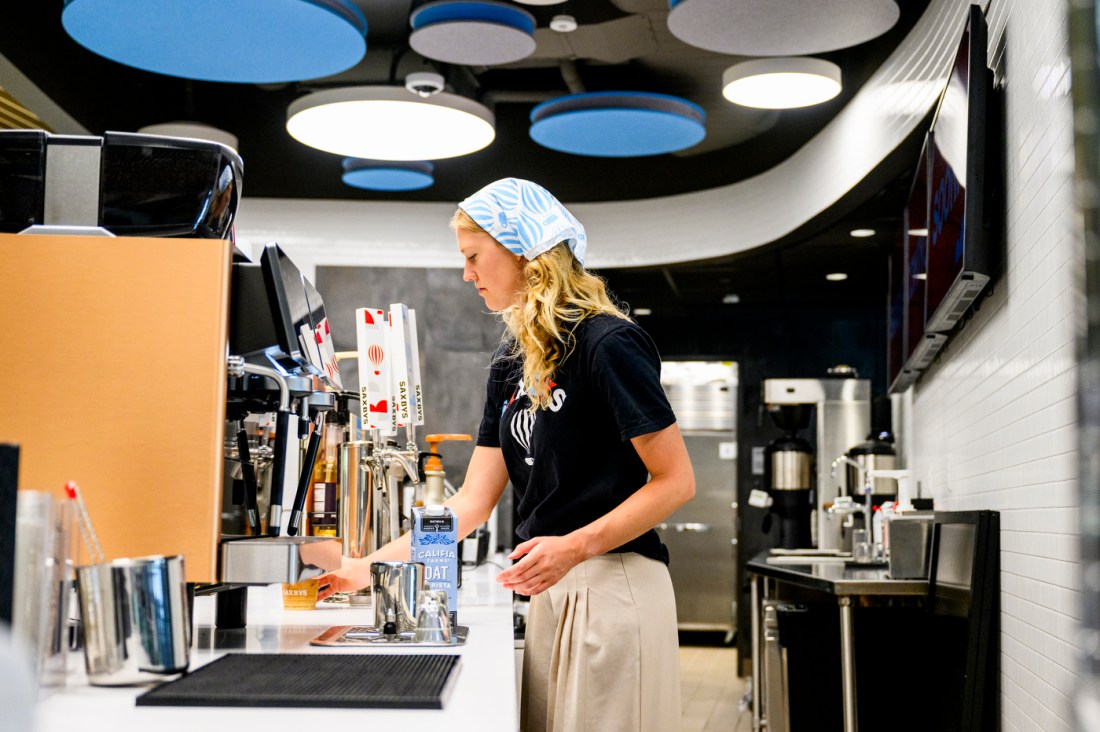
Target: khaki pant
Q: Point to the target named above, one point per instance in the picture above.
(601, 652)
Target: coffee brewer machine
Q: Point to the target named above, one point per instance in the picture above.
(841, 405)
(788, 474)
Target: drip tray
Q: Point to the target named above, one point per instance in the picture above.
(391, 681)
(357, 636)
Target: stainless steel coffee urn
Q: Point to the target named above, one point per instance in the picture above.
(876, 453)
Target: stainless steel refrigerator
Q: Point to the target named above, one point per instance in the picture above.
(701, 536)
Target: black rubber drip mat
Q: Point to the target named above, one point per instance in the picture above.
(397, 681)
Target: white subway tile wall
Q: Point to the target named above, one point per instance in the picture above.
(994, 419)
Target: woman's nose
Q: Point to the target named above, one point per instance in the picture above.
(468, 274)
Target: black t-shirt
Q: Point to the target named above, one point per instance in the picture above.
(573, 462)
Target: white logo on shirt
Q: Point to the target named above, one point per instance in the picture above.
(523, 426)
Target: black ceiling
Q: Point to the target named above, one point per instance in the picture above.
(103, 95)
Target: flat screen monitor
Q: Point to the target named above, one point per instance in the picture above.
(896, 336)
(293, 323)
(916, 270)
(914, 347)
(958, 252)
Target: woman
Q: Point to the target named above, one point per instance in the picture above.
(576, 418)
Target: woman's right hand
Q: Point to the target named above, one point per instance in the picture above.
(354, 574)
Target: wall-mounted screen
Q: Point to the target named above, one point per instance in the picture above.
(895, 314)
(915, 221)
(920, 347)
(948, 252)
(959, 260)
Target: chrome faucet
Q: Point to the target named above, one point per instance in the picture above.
(850, 507)
(389, 465)
(860, 470)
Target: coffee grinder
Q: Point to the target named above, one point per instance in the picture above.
(788, 474)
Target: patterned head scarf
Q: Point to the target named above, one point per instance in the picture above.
(525, 218)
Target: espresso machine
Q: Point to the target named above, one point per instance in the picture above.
(840, 406)
(377, 471)
(283, 384)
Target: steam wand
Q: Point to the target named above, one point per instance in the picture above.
(248, 477)
(295, 524)
(238, 367)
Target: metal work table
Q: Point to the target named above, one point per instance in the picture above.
(835, 576)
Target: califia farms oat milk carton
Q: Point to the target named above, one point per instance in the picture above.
(435, 544)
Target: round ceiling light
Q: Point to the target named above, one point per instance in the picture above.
(781, 83)
(387, 175)
(472, 32)
(563, 23)
(780, 27)
(617, 124)
(192, 130)
(390, 123)
(245, 41)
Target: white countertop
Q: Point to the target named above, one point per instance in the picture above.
(483, 698)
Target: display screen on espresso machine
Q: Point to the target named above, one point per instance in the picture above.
(287, 295)
(322, 352)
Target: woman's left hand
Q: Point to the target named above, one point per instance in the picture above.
(546, 559)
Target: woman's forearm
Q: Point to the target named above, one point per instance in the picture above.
(544, 560)
(472, 507)
(397, 550)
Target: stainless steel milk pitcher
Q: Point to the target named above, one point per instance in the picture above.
(136, 623)
(397, 586)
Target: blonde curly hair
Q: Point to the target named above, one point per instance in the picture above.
(559, 294)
